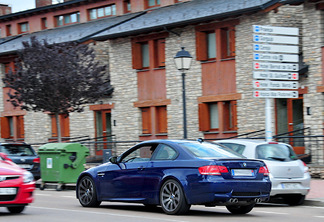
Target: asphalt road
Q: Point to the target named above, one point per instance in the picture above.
(51, 205)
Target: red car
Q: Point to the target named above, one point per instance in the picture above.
(16, 185)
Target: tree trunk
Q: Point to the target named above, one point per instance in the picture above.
(58, 127)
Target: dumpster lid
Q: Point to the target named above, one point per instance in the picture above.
(63, 147)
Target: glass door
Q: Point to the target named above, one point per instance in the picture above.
(290, 122)
(103, 130)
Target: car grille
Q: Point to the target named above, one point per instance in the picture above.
(7, 197)
(246, 194)
(8, 177)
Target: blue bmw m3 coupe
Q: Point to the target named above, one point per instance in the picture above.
(176, 174)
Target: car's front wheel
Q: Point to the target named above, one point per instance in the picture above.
(172, 198)
(240, 209)
(87, 192)
(16, 210)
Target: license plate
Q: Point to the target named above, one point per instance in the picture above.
(24, 166)
(290, 185)
(242, 172)
(8, 191)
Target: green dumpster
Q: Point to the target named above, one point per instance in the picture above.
(61, 163)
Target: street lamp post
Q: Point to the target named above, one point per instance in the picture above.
(182, 61)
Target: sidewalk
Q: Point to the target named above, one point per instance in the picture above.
(315, 196)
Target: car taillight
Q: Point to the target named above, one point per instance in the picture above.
(212, 170)
(36, 160)
(264, 170)
(306, 169)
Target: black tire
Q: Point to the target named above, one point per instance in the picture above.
(87, 193)
(172, 198)
(16, 210)
(294, 200)
(240, 209)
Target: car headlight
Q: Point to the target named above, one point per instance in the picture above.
(28, 177)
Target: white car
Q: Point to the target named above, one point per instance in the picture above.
(289, 175)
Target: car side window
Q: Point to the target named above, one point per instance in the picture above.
(165, 152)
(141, 154)
(239, 148)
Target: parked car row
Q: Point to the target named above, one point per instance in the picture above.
(173, 174)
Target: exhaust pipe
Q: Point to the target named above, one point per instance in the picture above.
(233, 200)
(257, 200)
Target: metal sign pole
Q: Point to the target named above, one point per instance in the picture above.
(268, 120)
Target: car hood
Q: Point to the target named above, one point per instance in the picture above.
(290, 169)
(9, 168)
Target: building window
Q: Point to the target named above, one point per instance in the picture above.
(148, 52)
(67, 19)
(152, 3)
(154, 117)
(211, 45)
(64, 123)
(218, 116)
(127, 6)
(23, 27)
(145, 54)
(228, 37)
(8, 30)
(208, 36)
(12, 127)
(44, 23)
(101, 12)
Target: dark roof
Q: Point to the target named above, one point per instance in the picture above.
(186, 13)
(76, 32)
(44, 8)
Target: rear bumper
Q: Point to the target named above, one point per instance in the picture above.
(24, 196)
(223, 192)
(290, 186)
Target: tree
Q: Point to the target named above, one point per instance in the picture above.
(56, 78)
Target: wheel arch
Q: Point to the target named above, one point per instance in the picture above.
(183, 184)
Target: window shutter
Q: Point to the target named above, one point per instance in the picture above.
(201, 46)
(204, 122)
(5, 127)
(20, 125)
(53, 125)
(160, 53)
(234, 114)
(65, 125)
(162, 122)
(232, 41)
(146, 120)
(136, 55)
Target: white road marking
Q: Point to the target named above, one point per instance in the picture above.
(105, 213)
(270, 212)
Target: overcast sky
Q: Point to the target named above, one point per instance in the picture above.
(21, 5)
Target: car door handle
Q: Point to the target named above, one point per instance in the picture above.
(101, 174)
(140, 168)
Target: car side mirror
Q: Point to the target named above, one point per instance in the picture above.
(113, 159)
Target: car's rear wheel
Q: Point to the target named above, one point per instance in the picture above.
(16, 210)
(240, 209)
(172, 198)
(87, 192)
(294, 200)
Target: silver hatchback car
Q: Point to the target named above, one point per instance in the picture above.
(289, 175)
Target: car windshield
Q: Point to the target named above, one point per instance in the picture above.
(209, 150)
(279, 152)
(18, 150)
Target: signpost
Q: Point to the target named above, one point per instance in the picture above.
(275, 58)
